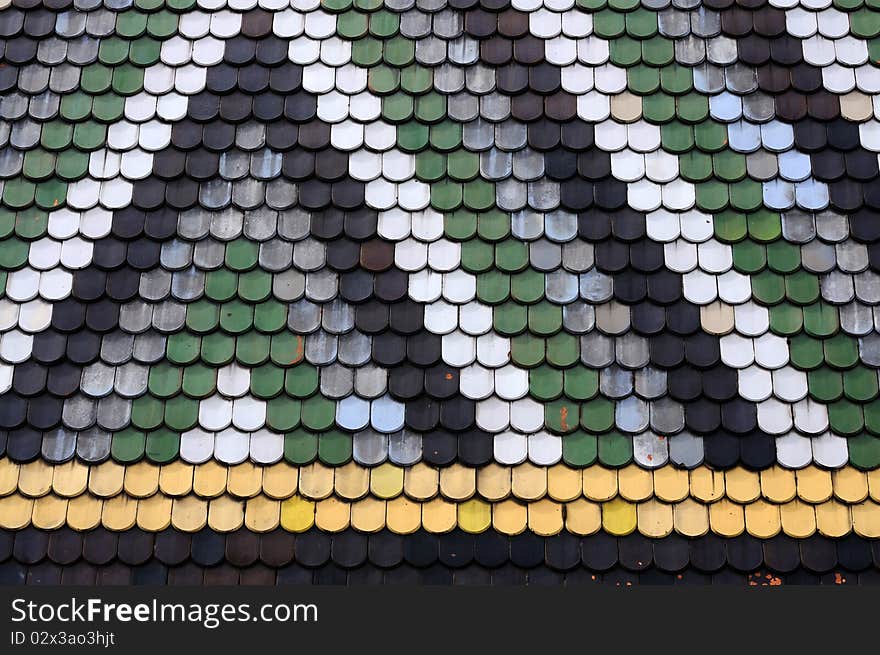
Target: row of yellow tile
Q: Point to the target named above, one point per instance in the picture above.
(457, 483)
(261, 513)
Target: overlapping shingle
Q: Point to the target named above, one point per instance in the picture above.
(404, 236)
(135, 557)
(507, 500)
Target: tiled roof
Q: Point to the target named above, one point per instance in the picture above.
(343, 290)
(509, 500)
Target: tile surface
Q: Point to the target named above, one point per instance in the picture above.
(420, 276)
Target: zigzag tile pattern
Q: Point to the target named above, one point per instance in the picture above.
(492, 266)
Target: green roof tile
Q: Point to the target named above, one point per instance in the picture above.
(615, 449)
(580, 450)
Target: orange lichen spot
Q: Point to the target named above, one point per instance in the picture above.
(300, 349)
(839, 579)
(563, 417)
(448, 376)
(650, 457)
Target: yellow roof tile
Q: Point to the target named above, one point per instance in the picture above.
(176, 478)
(280, 480)
(742, 486)
(814, 485)
(494, 481)
(421, 481)
(691, 518)
(474, 516)
(652, 518)
(439, 515)
(368, 515)
(510, 517)
(332, 515)
(189, 513)
(798, 519)
(226, 513)
(529, 482)
(106, 479)
(35, 478)
(671, 484)
(244, 480)
(262, 514)
(865, 519)
(458, 482)
(778, 484)
(726, 518)
(762, 519)
(49, 512)
(833, 519)
(315, 481)
(874, 484)
(357, 502)
(707, 485)
(154, 513)
(545, 517)
(564, 483)
(635, 483)
(850, 485)
(85, 512)
(8, 476)
(386, 481)
(141, 479)
(403, 516)
(297, 514)
(15, 511)
(655, 518)
(600, 483)
(118, 513)
(583, 517)
(70, 479)
(210, 479)
(619, 517)
(352, 481)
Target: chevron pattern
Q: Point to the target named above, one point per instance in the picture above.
(440, 291)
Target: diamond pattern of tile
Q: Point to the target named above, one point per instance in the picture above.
(441, 291)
